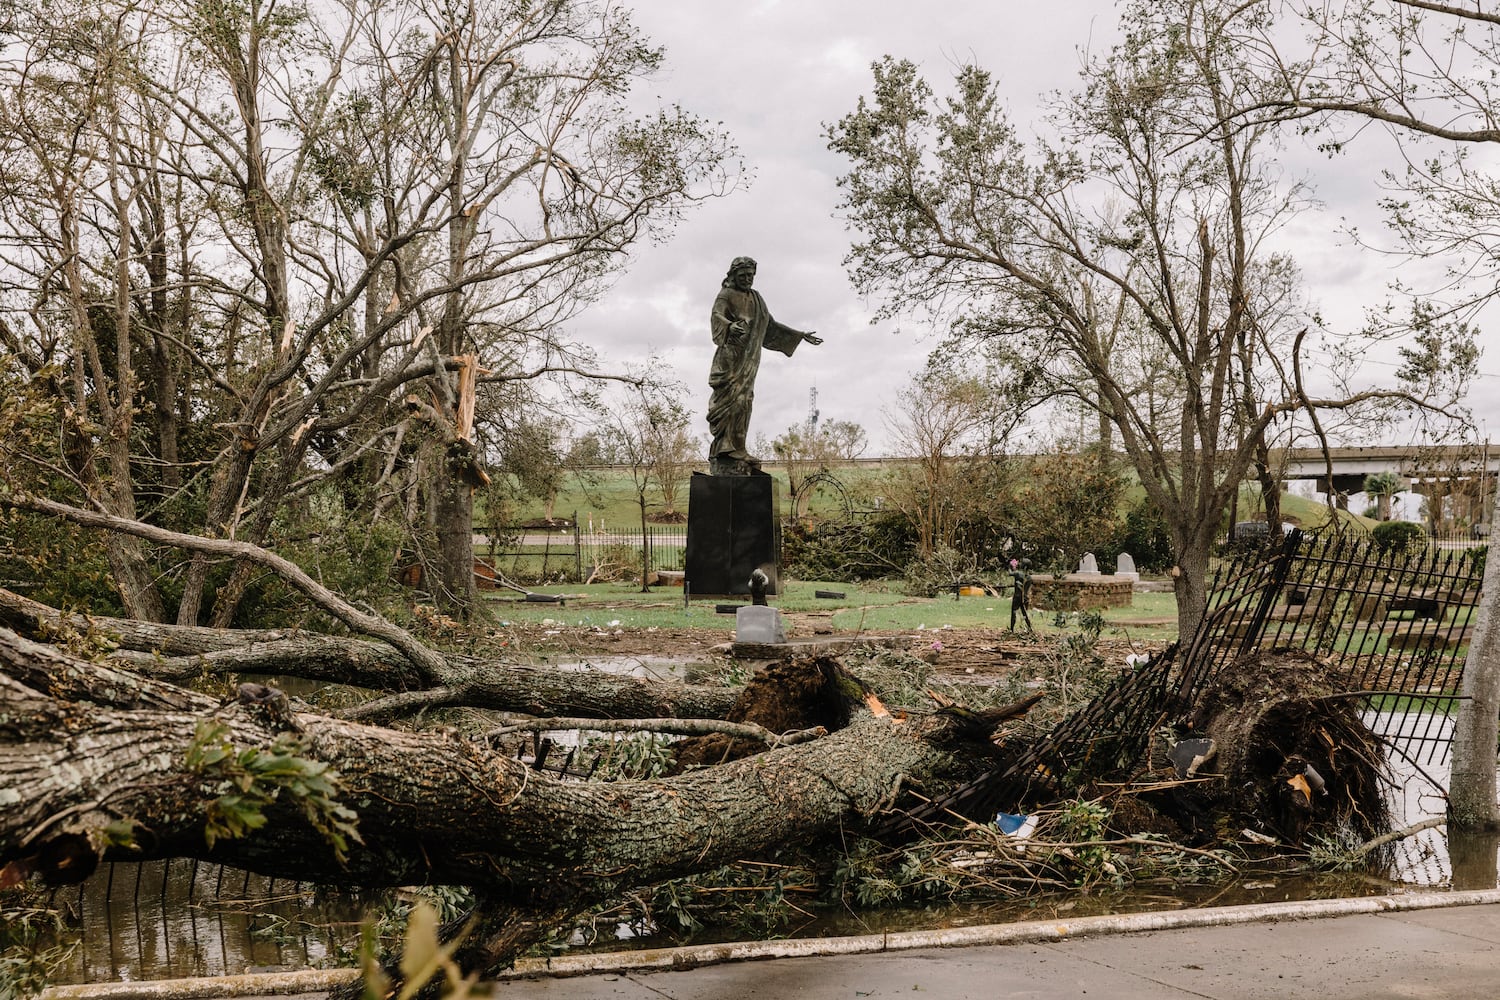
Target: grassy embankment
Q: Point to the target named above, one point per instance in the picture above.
(607, 496)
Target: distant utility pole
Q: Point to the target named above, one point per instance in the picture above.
(812, 413)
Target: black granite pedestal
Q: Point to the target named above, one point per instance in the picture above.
(734, 528)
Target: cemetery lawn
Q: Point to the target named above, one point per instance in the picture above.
(617, 619)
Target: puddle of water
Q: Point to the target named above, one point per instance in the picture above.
(656, 668)
(1420, 771)
(170, 919)
(942, 916)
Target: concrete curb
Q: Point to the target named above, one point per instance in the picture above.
(693, 956)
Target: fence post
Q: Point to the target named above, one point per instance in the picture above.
(577, 547)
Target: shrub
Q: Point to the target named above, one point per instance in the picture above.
(1399, 536)
(1476, 557)
(1144, 535)
(850, 550)
(1066, 506)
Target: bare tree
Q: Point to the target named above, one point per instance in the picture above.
(647, 433)
(291, 217)
(808, 448)
(1137, 241)
(940, 421)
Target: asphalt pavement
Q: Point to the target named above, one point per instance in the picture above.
(1451, 952)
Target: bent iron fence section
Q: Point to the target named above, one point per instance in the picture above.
(1394, 625)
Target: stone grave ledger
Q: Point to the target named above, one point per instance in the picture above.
(1079, 592)
(734, 527)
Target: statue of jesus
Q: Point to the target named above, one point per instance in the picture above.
(742, 326)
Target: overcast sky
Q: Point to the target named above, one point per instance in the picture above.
(774, 72)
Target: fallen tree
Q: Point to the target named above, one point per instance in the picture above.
(103, 757)
(97, 764)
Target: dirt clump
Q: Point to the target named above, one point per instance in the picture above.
(1290, 756)
(783, 697)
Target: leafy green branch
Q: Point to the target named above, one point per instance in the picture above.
(249, 780)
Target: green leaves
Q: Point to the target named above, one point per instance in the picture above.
(248, 781)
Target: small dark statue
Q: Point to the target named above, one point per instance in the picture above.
(742, 326)
(1020, 593)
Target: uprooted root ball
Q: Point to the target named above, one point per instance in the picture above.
(1292, 756)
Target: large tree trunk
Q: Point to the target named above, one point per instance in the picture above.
(454, 503)
(87, 752)
(1190, 586)
(1472, 793)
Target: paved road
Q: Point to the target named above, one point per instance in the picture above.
(1423, 949)
(1439, 953)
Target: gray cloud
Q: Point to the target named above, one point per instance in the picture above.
(774, 72)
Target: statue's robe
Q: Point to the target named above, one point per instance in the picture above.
(731, 377)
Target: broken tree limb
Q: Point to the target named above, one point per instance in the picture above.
(36, 620)
(1375, 843)
(429, 662)
(676, 727)
(546, 691)
(194, 651)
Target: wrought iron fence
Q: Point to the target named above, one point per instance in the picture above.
(664, 546)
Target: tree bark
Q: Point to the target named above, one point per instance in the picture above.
(1190, 586)
(1472, 802)
(454, 512)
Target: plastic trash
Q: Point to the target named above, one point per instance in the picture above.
(1017, 825)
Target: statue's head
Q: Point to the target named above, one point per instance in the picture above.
(739, 266)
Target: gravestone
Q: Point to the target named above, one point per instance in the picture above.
(734, 528)
(1088, 565)
(759, 623)
(1125, 567)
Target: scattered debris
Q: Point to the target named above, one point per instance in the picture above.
(1017, 825)
(1189, 755)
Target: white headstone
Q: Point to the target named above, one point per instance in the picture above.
(1088, 565)
(1125, 567)
(758, 623)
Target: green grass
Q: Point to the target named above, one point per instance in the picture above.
(1401, 704)
(607, 496)
(864, 607)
